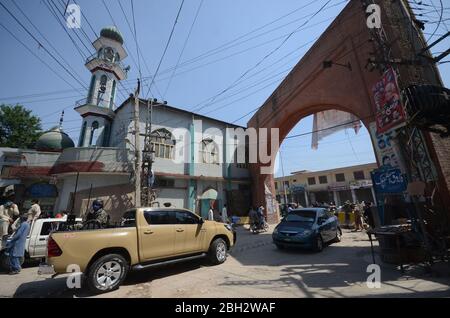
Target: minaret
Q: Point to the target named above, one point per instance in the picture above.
(97, 109)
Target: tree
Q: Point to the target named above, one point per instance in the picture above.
(18, 127)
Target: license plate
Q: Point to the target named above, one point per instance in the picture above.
(45, 269)
(287, 240)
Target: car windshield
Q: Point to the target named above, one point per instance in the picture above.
(307, 216)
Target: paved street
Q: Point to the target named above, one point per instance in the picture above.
(257, 269)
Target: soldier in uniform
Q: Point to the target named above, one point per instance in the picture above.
(97, 215)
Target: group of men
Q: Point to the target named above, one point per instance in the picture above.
(12, 221)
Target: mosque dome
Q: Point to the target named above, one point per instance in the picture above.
(54, 140)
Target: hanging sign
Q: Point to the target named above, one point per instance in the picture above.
(389, 180)
(390, 112)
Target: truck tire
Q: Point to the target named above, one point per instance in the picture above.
(107, 273)
(217, 253)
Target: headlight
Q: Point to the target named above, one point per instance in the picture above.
(228, 227)
(304, 233)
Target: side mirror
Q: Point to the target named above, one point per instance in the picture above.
(201, 221)
(320, 221)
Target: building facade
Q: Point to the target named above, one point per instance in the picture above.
(193, 166)
(339, 185)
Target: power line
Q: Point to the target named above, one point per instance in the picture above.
(184, 47)
(44, 37)
(165, 49)
(267, 55)
(36, 56)
(40, 44)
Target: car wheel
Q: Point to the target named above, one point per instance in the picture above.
(318, 244)
(107, 273)
(218, 251)
(338, 237)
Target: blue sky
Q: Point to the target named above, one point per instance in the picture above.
(218, 23)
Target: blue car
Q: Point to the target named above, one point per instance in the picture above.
(308, 228)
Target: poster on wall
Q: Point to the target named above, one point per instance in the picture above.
(384, 145)
(390, 112)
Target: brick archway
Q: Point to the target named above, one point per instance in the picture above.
(310, 87)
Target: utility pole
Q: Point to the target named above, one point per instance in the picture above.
(147, 162)
(137, 148)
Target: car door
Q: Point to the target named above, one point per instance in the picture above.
(189, 233)
(157, 234)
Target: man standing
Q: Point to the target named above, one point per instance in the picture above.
(97, 215)
(34, 212)
(16, 245)
(8, 212)
(224, 214)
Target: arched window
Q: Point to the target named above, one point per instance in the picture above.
(103, 81)
(94, 133)
(113, 94)
(209, 152)
(162, 143)
(91, 89)
(106, 134)
(82, 135)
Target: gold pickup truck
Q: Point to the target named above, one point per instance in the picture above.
(146, 237)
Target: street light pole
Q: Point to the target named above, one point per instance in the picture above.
(137, 146)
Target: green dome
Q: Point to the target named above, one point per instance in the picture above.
(112, 33)
(54, 140)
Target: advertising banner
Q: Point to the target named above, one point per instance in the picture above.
(390, 112)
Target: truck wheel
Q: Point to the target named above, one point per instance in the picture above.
(107, 273)
(218, 251)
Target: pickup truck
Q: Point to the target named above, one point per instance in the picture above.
(146, 237)
(36, 243)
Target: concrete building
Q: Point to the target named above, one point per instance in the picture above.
(193, 155)
(339, 185)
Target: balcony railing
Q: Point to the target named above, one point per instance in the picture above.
(95, 102)
(115, 63)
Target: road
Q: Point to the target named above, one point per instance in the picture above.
(256, 268)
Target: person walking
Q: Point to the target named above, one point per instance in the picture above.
(16, 245)
(8, 212)
(224, 214)
(34, 212)
(358, 218)
(211, 214)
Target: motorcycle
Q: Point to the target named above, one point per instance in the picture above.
(258, 227)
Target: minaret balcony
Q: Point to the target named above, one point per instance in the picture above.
(92, 106)
(94, 63)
